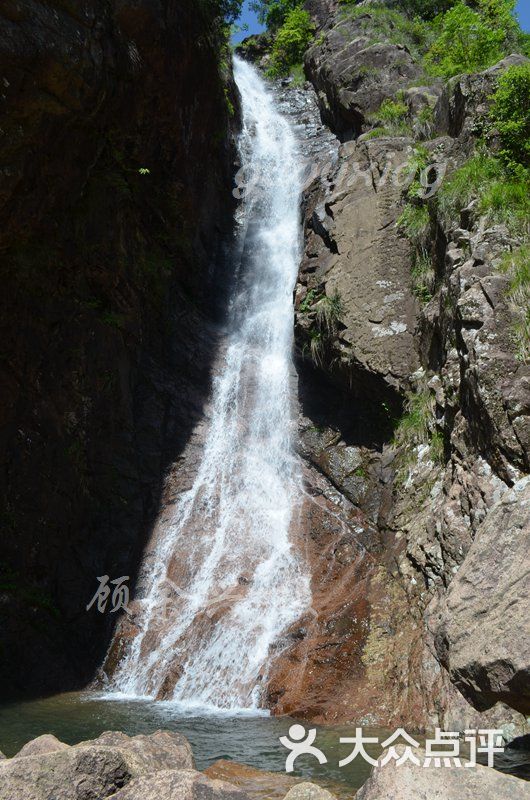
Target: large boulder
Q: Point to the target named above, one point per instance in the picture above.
(479, 625)
(257, 783)
(47, 743)
(308, 791)
(91, 770)
(179, 784)
(158, 750)
(353, 74)
(411, 782)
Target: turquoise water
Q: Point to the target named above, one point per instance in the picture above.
(247, 739)
(251, 740)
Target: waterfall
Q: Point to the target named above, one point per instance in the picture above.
(225, 580)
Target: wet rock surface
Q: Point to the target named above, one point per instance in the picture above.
(416, 526)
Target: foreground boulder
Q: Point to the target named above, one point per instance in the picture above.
(179, 784)
(410, 782)
(257, 783)
(308, 791)
(47, 743)
(476, 624)
(90, 770)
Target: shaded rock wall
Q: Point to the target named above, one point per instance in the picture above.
(116, 165)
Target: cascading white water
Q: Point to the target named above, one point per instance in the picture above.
(225, 580)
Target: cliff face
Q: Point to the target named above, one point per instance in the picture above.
(116, 162)
(416, 548)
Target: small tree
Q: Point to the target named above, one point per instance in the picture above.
(510, 114)
(467, 42)
(273, 13)
(291, 41)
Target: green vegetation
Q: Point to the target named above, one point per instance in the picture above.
(423, 277)
(424, 123)
(473, 36)
(328, 311)
(510, 114)
(273, 13)
(503, 195)
(391, 119)
(415, 222)
(392, 25)
(417, 427)
(446, 37)
(226, 10)
(290, 42)
(517, 265)
(466, 43)
(297, 74)
(426, 9)
(376, 133)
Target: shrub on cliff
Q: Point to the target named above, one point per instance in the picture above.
(510, 114)
(291, 41)
(426, 9)
(472, 39)
(517, 265)
(273, 13)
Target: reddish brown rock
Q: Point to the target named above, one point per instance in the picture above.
(256, 783)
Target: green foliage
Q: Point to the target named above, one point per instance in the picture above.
(317, 347)
(376, 133)
(472, 39)
(415, 223)
(424, 123)
(417, 426)
(517, 265)
(393, 113)
(510, 114)
(383, 23)
(503, 195)
(308, 301)
(291, 41)
(273, 13)
(298, 75)
(330, 310)
(426, 9)
(423, 277)
(227, 10)
(229, 105)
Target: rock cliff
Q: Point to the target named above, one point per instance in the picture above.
(116, 161)
(416, 542)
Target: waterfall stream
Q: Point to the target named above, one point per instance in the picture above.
(225, 581)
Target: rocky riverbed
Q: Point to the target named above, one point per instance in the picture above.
(160, 766)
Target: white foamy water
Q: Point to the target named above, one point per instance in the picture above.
(225, 580)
